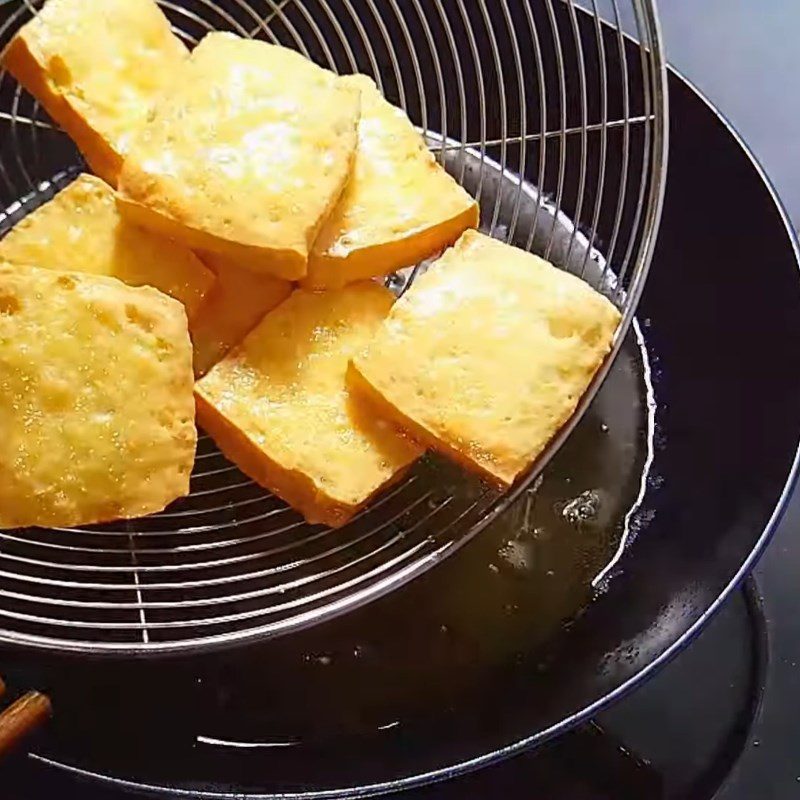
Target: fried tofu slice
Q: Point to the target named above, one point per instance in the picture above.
(247, 155)
(97, 67)
(487, 355)
(399, 207)
(239, 301)
(278, 407)
(96, 406)
(80, 229)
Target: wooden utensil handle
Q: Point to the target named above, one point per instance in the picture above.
(22, 718)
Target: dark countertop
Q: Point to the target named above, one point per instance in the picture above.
(742, 55)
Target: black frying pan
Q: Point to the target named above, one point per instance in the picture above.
(721, 317)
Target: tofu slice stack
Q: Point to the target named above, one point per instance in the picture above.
(399, 207)
(278, 406)
(97, 66)
(81, 230)
(487, 355)
(246, 156)
(96, 406)
(272, 170)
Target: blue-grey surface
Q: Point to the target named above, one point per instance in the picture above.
(743, 55)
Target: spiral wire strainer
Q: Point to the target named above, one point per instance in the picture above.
(552, 113)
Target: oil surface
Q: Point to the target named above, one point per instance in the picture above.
(500, 598)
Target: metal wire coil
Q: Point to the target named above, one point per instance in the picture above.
(551, 115)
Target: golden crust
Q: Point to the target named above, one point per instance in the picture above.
(278, 406)
(399, 207)
(80, 229)
(246, 157)
(96, 409)
(56, 56)
(239, 301)
(487, 355)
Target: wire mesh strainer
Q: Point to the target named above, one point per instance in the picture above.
(548, 113)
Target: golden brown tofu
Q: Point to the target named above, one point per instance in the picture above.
(278, 406)
(239, 301)
(81, 230)
(247, 155)
(487, 355)
(96, 404)
(399, 207)
(97, 67)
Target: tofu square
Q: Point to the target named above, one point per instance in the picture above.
(399, 207)
(487, 355)
(96, 406)
(246, 156)
(80, 229)
(97, 66)
(278, 406)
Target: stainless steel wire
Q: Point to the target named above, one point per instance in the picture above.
(550, 113)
